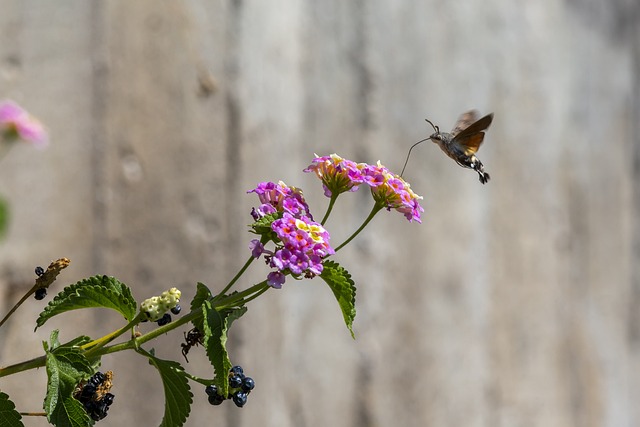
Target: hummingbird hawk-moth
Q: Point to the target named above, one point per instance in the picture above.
(463, 142)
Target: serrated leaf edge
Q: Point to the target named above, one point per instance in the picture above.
(176, 368)
(11, 409)
(331, 269)
(116, 290)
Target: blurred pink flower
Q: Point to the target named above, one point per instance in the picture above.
(16, 123)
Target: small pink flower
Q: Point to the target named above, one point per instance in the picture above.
(16, 123)
(257, 248)
(275, 279)
(338, 175)
(393, 192)
(279, 198)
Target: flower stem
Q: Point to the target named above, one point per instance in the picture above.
(23, 366)
(94, 345)
(239, 298)
(15, 307)
(203, 381)
(332, 202)
(18, 304)
(264, 289)
(235, 278)
(376, 208)
(98, 348)
(218, 304)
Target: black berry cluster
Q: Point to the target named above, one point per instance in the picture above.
(40, 292)
(239, 388)
(95, 395)
(166, 318)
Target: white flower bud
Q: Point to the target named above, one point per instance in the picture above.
(155, 307)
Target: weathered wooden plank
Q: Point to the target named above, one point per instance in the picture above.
(167, 178)
(45, 65)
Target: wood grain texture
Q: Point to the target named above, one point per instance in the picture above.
(513, 304)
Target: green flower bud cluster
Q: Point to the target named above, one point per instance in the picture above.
(156, 307)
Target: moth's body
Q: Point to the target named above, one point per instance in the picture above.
(457, 152)
(462, 143)
(450, 148)
(464, 140)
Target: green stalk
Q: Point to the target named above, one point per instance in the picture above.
(332, 202)
(15, 307)
(264, 289)
(376, 208)
(38, 362)
(18, 304)
(221, 303)
(239, 298)
(98, 348)
(193, 378)
(236, 277)
(94, 345)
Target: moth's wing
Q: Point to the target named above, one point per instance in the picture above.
(479, 126)
(465, 120)
(471, 143)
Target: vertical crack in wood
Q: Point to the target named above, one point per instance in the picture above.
(364, 382)
(634, 300)
(363, 416)
(233, 170)
(233, 114)
(360, 65)
(98, 137)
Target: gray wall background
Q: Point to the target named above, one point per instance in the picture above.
(513, 304)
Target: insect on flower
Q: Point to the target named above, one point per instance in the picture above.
(463, 142)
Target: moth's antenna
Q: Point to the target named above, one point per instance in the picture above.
(409, 153)
(436, 128)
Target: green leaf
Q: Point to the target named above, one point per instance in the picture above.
(202, 293)
(9, 417)
(216, 327)
(77, 342)
(263, 225)
(177, 393)
(4, 217)
(65, 368)
(70, 413)
(344, 289)
(96, 291)
(54, 342)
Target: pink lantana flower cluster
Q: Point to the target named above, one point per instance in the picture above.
(390, 191)
(279, 198)
(301, 243)
(16, 123)
(393, 192)
(338, 175)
